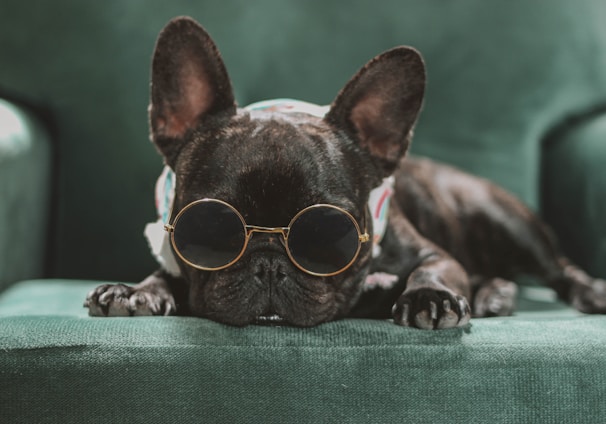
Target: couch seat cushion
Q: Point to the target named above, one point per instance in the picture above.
(59, 365)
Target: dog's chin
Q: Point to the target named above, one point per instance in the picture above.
(299, 319)
(295, 317)
(276, 320)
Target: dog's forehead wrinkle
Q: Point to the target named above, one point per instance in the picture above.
(271, 160)
(281, 144)
(278, 133)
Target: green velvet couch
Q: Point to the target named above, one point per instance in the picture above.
(516, 93)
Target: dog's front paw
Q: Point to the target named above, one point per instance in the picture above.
(120, 300)
(430, 309)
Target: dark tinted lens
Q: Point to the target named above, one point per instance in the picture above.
(323, 240)
(209, 234)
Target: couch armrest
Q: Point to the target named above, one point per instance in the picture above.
(574, 191)
(25, 162)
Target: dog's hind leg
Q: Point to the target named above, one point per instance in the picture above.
(532, 249)
(493, 297)
(575, 286)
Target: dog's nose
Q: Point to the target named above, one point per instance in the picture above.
(268, 267)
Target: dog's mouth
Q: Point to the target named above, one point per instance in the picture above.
(269, 319)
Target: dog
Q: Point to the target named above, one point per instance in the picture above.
(266, 213)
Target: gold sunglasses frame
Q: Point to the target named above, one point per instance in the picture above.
(249, 230)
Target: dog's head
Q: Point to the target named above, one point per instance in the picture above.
(269, 166)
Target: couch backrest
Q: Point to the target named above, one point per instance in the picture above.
(500, 75)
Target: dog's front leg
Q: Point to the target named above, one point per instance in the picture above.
(156, 295)
(437, 287)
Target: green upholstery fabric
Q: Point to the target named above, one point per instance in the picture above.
(25, 157)
(574, 191)
(500, 75)
(547, 366)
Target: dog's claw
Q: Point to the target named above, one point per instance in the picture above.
(434, 310)
(403, 317)
(465, 312)
(446, 305)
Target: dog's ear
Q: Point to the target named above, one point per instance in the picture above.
(379, 106)
(189, 85)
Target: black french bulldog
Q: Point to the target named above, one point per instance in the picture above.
(451, 246)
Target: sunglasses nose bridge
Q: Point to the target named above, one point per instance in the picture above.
(250, 229)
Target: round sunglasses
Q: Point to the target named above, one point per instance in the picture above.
(321, 240)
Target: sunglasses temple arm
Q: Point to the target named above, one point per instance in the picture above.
(365, 237)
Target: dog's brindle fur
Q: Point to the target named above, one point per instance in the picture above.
(453, 240)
